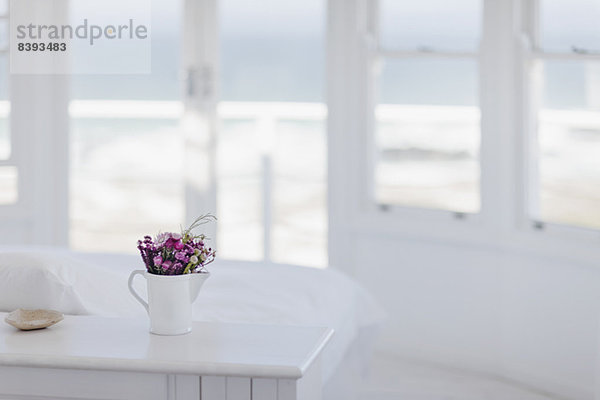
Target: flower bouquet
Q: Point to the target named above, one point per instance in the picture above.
(175, 271)
(177, 253)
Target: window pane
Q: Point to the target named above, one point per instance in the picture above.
(428, 135)
(126, 181)
(239, 196)
(164, 81)
(274, 52)
(272, 131)
(300, 191)
(430, 24)
(3, 33)
(568, 24)
(126, 165)
(569, 138)
(8, 185)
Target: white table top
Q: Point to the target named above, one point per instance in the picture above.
(116, 344)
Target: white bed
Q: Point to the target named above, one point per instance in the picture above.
(96, 284)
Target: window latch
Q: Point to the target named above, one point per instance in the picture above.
(538, 225)
(199, 81)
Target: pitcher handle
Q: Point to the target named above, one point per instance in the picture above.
(132, 290)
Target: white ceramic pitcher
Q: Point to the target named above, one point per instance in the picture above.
(170, 299)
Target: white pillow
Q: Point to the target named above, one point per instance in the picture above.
(53, 280)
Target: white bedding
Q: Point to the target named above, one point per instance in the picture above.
(248, 292)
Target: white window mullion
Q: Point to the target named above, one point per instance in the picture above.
(39, 127)
(426, 54)
(199, 57)
(573, 56)
(529, 84)
(348, 126)
(500, 98)
(414, 120)
(369, 72)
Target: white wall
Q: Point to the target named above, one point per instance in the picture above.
(15, 232)
(526, 317)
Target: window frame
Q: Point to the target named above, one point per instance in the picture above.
(534, 55)
(377, 53)
(507, 152)
(370, 212)
(526, 53)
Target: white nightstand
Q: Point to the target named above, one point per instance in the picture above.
(114, 358)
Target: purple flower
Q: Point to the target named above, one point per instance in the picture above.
(170, 253)
(177, 268)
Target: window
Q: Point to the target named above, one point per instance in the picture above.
(406, 134)
(8, 171)
(427, 112)
(568, 130)
(271, 156)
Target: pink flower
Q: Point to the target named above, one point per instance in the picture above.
(178, 245)
(157, 260)
(166, 265)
